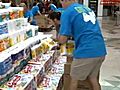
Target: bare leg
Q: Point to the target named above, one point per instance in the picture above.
(73, 84)
(94, 83)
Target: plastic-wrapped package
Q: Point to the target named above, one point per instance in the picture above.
(5, 63)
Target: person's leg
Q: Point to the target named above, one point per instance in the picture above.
(88, 68)
(94, 83)
(73, 84)
(94, 76)
(79, 71)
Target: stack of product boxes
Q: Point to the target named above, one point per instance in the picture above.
(53, 79)
(14, 48)
(26, 57)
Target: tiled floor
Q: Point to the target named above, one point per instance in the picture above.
(110, 70)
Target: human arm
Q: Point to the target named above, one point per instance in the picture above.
(65, 29)
(62, 39)
(39, 13)
(30, 16)
(30, 19)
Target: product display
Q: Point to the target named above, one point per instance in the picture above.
(19, 82)
(28, 60)
(36, 70)
(52, 79)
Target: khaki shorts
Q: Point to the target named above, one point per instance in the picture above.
(82, 68)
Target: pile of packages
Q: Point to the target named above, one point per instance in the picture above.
(26, 55)
(53, 79)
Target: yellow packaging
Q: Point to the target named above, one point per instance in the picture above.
(2, 45)
(14, 12)
(14, 39)
(4, 42)
(11, 42)
(70, 47)
(7, 42)
(40, 49)
(37, 51)
(63, 49)
(43, 48)
(21, 12)
(33, 52)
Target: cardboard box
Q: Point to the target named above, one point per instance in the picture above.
(67, 80)
(67, 68)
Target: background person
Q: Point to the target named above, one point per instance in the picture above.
(35, 9)
(55, 17)
(41, 6)
(28, 14)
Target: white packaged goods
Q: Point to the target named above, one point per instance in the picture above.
(7, 5)
(5, 63)
(34, 30)
(16, 24)
(19, 82)
(4, 15)
(36, 70)
(52, 79)
(18, 42)
(22, 36)
(3, 28)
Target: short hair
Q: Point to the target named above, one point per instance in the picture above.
(54, 15)
(22, 5)
(34, 3)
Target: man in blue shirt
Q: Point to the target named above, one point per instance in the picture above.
(79, 22)
(28, 14)
(35, 9)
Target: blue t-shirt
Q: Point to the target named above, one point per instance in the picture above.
(53, 7)
(35, 10)
(60, 10)
(28, 14)
(80, 22)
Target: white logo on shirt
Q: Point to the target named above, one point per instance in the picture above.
(89, 17)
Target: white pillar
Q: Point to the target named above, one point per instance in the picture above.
(100, 9)
(85, 2)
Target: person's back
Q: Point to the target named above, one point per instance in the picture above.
(85, 30)
(29, 15)
(35, 9)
